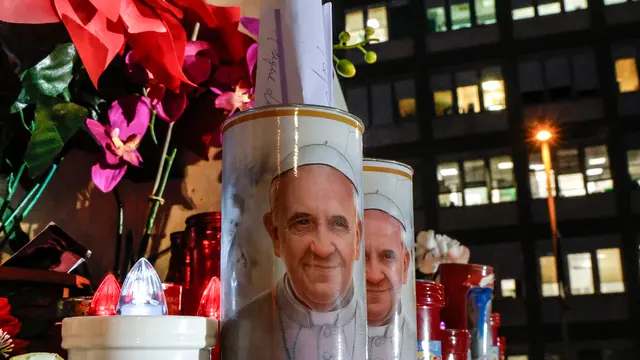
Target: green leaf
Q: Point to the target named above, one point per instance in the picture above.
(52, 75)
(54, 126)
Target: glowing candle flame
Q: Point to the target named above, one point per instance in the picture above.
(142, 292)
(105, 300)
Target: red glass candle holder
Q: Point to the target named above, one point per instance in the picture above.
(494, 320)
(429, 301)
(502, 345)
(105, 299)
(173, 295)
(455, 344)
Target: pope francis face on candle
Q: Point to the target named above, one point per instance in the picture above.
(316, 232)
(387, 260)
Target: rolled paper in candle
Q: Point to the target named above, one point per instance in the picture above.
(293, 279)
(389, 243)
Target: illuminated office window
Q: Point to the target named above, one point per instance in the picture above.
(597, 169)
(493, 95)
(460, 14)
(485, 12)
(518, 357)
(538, 178)
(570, 178)
(475, 183)
(613, 2)
(503, 187)
(441, 86)
(580, 274)
(468, 99)
(450, 184)
(627, 75)
(443, 102)
(508, 288)
(354, 25)
(522, 9)
(549, 276)
(436, 18)
(633, 161)
(405, 96)
(610, 271)
(573, 5)
(549, 9)
(377, 19)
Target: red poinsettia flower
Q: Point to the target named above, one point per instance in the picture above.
(100, 28)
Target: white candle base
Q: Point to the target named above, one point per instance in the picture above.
(139, 337)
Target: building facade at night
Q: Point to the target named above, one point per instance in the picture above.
(457, 92)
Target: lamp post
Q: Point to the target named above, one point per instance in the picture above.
(543, 137)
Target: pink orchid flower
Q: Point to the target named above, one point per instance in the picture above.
(240, 99)
(129, 119)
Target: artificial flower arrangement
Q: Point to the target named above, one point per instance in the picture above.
(434, 249)
(135, 81)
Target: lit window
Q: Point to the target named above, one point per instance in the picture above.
(627, 75)
(443, 101)
(436, 19)
(633, 160)
(522, 9)
(508, 288)
(449, 183)
(538, 178)
(610, 270)
(573, 5)
(468, 99)
(460, 15)
(377, 19)
(570, 178)
(613, 2)
(354, 25)
(405, 96)
(493, 94)
(475, 181)
(549, 276)
(518, 357)
(580, 274)
(597, 169)
(485, 12)
(549, 9)
(502, 182)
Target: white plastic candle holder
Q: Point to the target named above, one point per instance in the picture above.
(139, 337)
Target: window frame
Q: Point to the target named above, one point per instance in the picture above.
(455, 105)
(582, 165)
(535, 4)
(546, 90)
(488, 179)
(473, 15)
(395, 107)
(365, 16)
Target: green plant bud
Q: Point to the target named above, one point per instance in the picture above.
(344, 37)
(369, 31)
(370, 57)
(346, 68)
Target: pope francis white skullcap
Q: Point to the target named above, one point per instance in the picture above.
(377, 201)
(317, 154)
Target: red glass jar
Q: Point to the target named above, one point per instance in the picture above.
(429, 301)
(494, 321)
(177, 266)
(455, 344)
(202, 257)
(502, 345)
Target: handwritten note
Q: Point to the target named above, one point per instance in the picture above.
(270, 77)
(295, 54)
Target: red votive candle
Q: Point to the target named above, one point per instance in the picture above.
(455, 344)
(429, 301)
(173, 294)
(494, 322)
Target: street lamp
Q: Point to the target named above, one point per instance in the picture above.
(544, 136)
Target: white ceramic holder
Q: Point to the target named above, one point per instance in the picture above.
(139, 337)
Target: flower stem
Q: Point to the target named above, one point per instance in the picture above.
(54, 167)
(119, 231)
(12, 189)
(155, 200)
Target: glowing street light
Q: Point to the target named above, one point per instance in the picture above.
(543, 135)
